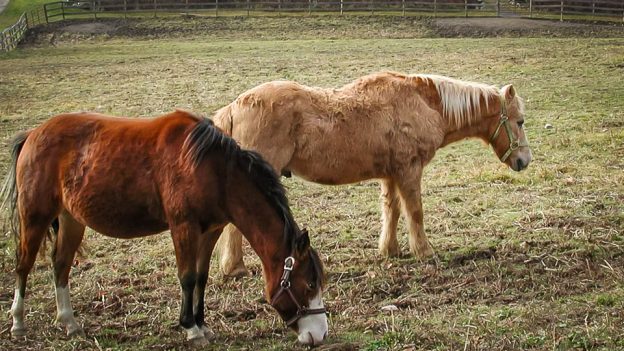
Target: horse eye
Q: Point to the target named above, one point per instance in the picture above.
(520, 124)
(311, 286)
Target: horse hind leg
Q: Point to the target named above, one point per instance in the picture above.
(70, 234)
(231, 253)
(388, 243)
(32, 234)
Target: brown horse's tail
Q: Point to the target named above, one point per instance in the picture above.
(8, 193)
(223, 120)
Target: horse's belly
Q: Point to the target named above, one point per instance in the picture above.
(117, 213)
(336, 171)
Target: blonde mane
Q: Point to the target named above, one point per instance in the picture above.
(461, 100)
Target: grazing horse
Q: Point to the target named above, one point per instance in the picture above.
(129, 178)
(384, 126)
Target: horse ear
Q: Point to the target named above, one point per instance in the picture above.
(303, 241)
(509, 91)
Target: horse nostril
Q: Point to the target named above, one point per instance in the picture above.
(519, 164)
(325, 335)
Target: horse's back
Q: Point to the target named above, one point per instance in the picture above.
(104, 170)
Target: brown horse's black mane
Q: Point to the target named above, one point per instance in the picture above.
(205, 137)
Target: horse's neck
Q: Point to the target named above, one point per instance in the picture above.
(477, 128)
(258, 221)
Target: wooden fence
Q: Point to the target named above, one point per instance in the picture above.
(612, 10)
(11, 36)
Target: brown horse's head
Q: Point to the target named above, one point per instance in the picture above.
(297, 297)
(507, 133)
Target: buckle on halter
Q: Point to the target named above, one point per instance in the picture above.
(289, 263)
(514, 145)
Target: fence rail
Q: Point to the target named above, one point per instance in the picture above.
(612, 10)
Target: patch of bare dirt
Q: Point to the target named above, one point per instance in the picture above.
(90, 28)
(516, 26)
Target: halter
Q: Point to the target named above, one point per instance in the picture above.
(513, 142)
(289, 263)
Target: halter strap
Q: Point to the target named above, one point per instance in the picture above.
(302, 311)
(514, 143)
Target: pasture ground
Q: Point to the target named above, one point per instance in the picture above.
(526, 261)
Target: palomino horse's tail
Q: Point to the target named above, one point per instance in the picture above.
(8, 193)
(223, 120)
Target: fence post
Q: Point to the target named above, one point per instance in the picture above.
(530, 8)
(341, 7)
(247, 8)
(63, 10)
(561, 17)
(45, 12)
(372, 5)
(154, 8)
(466, 8)
(309, 7)
(279, 7)
(435, 8)
(94, 9)
(126, 9)
(403, 7)
(217, 8)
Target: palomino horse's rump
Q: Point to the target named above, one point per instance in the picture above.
(384, 126)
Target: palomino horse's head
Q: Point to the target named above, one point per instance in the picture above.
(507, 134)
(297, 298)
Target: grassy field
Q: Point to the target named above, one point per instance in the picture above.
(531, 260)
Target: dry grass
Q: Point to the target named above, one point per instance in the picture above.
(525, 261)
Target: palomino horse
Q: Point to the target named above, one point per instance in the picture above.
(129, 178)
(384, 126)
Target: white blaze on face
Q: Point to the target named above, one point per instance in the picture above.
(313, 327)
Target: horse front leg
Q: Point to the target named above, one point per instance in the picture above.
(388, 243)
(206, 245)
(185, 238)
(69, 237)
(410, 192)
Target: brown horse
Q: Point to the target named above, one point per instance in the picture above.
(129, 178)
(384, 126)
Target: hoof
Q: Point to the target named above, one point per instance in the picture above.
(18, 332)
(390, 252)
(208, 334)
(198, 341)
(76, 333)
(423, 252)
(239, 271)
